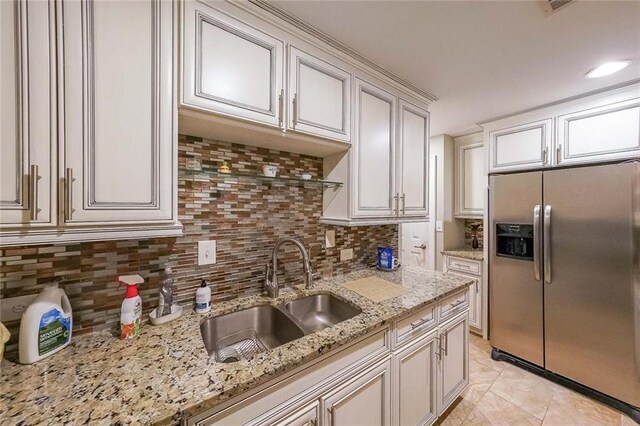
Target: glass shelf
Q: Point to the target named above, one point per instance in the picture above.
(292, 181)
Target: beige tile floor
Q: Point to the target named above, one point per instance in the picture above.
(501, 394)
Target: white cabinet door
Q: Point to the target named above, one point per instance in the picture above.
(231, 67)
(521, 147)
(610, 132)
(475, 299)
(413, 164)
(415, 369)
(363, 401)
(374, 150)
(117, 112)
(320, 95)
(28, 119)
(307, 415)
(471, 180)
(454, 360)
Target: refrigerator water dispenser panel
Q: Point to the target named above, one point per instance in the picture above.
(514, 241)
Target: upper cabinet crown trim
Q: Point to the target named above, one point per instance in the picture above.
(314, 32)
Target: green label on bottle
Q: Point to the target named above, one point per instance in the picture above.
(54, 331)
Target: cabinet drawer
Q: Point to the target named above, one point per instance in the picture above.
(453, 305)
(415, 325)
(463, 265)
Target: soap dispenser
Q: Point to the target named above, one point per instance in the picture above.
(203, 298)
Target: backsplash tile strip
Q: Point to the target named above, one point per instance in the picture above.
(244, 216)
(468, 235)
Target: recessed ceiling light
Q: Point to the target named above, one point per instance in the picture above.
(607, 68)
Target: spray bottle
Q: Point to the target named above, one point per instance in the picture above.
(131, 311)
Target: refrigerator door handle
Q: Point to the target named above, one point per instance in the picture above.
(536, 242)
(546, 240)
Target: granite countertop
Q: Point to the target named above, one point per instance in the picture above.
(166, 374)
(466, 253)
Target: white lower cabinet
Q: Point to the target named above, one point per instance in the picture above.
(453, 367)
(415, 370)
(470, 269)
(365, 400)
(393, 377)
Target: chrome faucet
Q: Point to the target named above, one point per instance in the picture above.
(271, 272)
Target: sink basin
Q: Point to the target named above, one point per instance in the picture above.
(320, 311)
(243, 333)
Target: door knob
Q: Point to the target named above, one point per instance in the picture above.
(421, 246)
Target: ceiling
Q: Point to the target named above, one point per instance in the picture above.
(484, 59)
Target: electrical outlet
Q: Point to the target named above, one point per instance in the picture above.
(12, 308)
(439, 226)
(346, 254)
(206, 252)
(330, 238)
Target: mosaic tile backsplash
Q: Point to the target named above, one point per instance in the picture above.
(468, 235)
(245, 216)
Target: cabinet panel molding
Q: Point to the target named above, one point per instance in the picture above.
(606, 133)
(117, 128)
(414, 164)
(320, 96)
(521, 147)
(471, 177)
(28, 125)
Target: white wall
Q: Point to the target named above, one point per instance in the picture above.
(452, 236)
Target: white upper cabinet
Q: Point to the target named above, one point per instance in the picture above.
(117, 111)
(387, 168)
(471, 176)
(414, 165)
(231, 67)
(608, 132)
(28, 119)
(320, 96)
(596, 128)
(374, 152)
(525, 146)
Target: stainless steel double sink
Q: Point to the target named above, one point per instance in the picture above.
(244, 333)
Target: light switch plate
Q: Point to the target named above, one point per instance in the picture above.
(346, 254)
(12, 308)
(206, 252)
(330, 238)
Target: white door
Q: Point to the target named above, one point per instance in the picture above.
(117, 129)
(363, 401)
(521, 147)
(606, 133)
(374, 189)
(454, 360)
(413, 160)
(28, 113)
(471, 180)
(231, 67)
(415, 244)
(320, 97)
(415, 369)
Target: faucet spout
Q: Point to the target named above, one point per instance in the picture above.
(271, 278)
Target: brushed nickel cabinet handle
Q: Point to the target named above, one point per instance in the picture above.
(477, 286)
(558, 152)
(397, 200)
(281, 108)
(438, 348)
(418, 323)
(545, 155)
(421, 246)
(295, 109)
(68, 181)
(445, 347)
(403, 203)
(33, 192)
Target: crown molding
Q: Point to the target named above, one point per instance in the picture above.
(309, 29)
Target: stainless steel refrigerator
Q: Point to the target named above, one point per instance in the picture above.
(564, 280)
